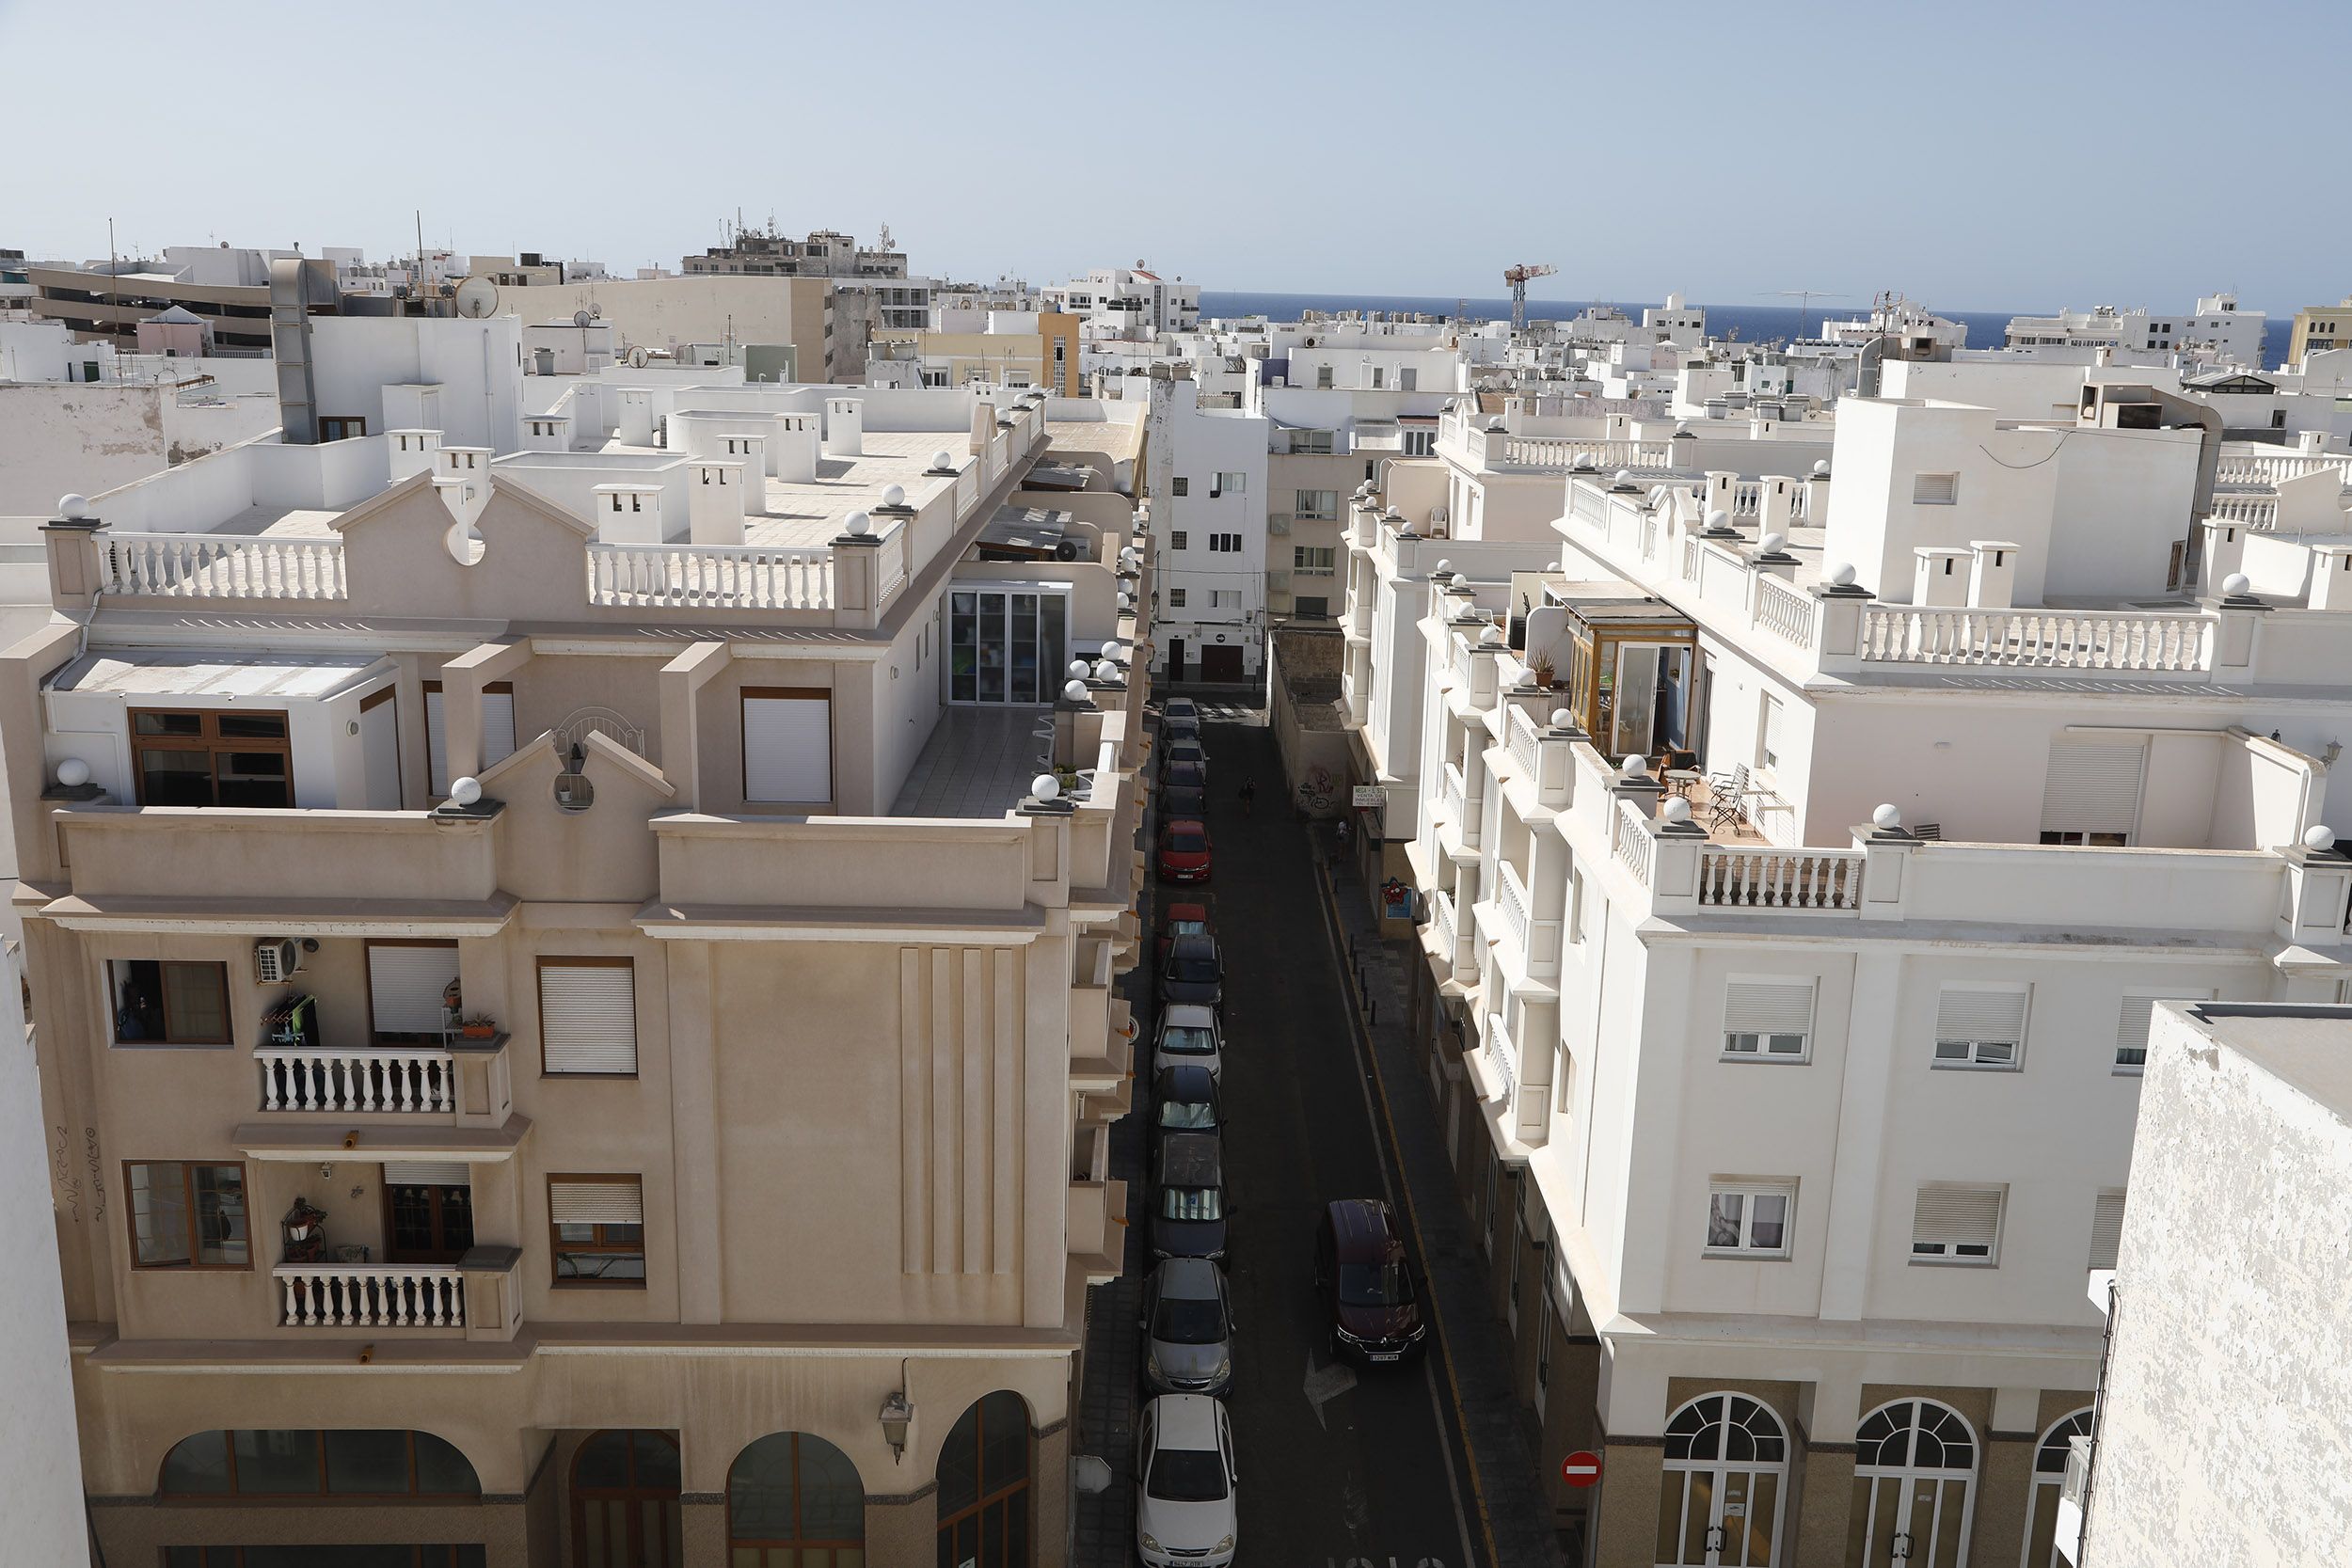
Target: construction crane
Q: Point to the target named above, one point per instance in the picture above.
(1518, 277)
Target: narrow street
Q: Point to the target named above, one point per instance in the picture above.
(1338, 1465)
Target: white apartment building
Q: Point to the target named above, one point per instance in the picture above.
(2216, 327)
(1801, 858)
(1206, 479)
(1127, 302)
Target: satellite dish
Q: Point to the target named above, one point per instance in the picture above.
(476, 298)
(637, 357)
(581, 318)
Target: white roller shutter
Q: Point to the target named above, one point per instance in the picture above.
(2093, 787)
(787, 748)
(2106, 1229)
(1768, 1008)
(426, 1173)
(612, 1200)
(2138, 1013)
(1948, 1219)
(405, 983)
(498, 734)
(588, 1016)
(1979, 1014)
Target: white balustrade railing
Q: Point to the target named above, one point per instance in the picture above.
(1566, 452)
(895, 545)
(1511, 898)
(1504, 1054)
(1747, 497)
(1631, 832)
(1690, 559)
(1462, 660)
(2255, 512)
(1441, 916)
(2273, 468)
(1783, 611)
(369, 1295)
(388, 1080)
(209, 566)
(709, 577)
(1746, 876)
(1524, 738)
(2042, 639)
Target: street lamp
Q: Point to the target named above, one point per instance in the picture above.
(896, 1416)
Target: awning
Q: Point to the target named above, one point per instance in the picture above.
(151, 672)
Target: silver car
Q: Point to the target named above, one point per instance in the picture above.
(1187, 1328)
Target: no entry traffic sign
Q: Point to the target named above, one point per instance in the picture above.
(1580, 1469)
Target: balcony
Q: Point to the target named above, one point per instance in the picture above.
(1511, 898)
(462, 1081)
(475, 1298)
(1769, 878)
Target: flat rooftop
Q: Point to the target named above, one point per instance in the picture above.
(2307, 1047)
(979, 761)
(1118, 439)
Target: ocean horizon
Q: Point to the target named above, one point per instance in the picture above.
(1754, 323)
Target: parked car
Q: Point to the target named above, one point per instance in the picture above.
(1181, 753)
(1366, 1285)
(1188, 1036)
(1182, 920)
(1187, 1327)
(1177, 801)
(1186, 1484)
(1180, 726)
(1184, 850)
(1188, 1206)
(1180, 708)
(1184, 775)
(1193, 971)
(1184, 1100)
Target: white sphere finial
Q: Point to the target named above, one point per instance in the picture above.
(1843, 575)
(465, 791)
(73, 506)
(73, 772)
(1551, 565)
(1635, 766)
(943, 459)
(1562, 719)
(1718, 518)
(1493, 634)
(1110, 649)
(1820, 466)
(1624, 476)
(857, 525)
(1077, 669)
(1677, 809)
(1105, 671)
(894, 494)
(1045, 787)
(1770, 544)
(1445, 568)
(2319, 836)
(2237, 583)
(1076, 691)
(1887, 817)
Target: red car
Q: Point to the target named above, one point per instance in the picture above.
(1183, 920)
(1185, 851)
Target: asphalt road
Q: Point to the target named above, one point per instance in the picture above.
(1340, 1467)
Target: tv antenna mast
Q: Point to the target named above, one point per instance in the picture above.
(1804, 298)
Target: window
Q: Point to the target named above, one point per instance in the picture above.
(1319, 506)
(2090, 794)
(186, 1217)
(597, 1225)
(588, 1016)
(1421, 443)
(1323, 376)
(1750, 1221)
(1494, 1169)
(1378, 375)
(2106, 1229)
(1957, 1224)
(210, 757)
(984, 1469)
(160, 1003)
(788, 744)
(1179, 486)
(497, 731)
(413, 994)
(1935, 489)
(1178, 539)
(1768, 736)
(342, 430)
(1231, 483)
(1225, 543)
(1314, 559)
(1767, 1018)
(1224, 598)
(1408, 379)
(1311, 606)
(1543, 1336)
(2138, 1012)
(1979, 1026)
(1176, 599)
(792, 1497)
(1313, 443)
(305, 1463)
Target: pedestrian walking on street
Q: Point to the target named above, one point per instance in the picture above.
(1248, 796)
(1339, 842)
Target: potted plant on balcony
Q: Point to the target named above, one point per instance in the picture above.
(478, 1028)
(1541, 670)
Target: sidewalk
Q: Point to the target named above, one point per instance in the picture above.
(1510, 1502)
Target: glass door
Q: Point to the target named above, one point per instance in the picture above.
(964, 646)
(431, 1222)
(1007, 645)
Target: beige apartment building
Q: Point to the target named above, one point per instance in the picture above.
(575, 988)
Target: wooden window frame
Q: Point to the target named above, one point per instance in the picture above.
(163, 968)
(800, 1540)
(784, 693)
(557, 1245)
(345, 426)
(210, 741)
(187, 1189)
(539, 992)
(367, 973)
(234, 1498)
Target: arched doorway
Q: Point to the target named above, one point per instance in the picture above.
(1914, 1474)
(984, 1486)
(625, 1502)
(795, 1501)
(1726, 1468)
(2049, 1475)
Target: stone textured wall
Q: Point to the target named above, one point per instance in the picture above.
(2224, 1440)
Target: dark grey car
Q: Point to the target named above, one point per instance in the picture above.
(1187, 1328)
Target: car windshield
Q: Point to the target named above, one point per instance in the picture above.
(1188, 844)
(1187, 928)
(1195, 970)
(1187, 1041)
(1188, 1115)
(1374, 1285)
(1179, 1322)
(1192, 1203)
(1186, 1476)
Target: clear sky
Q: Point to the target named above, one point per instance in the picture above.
(1982, 155)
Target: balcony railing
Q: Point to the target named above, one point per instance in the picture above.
(713, 576)
(1441, 917)
(2038, 639)
(371, 1295)
(1784, 612)
(1746, 877)
(1631, 832)
(1462, 807)
(206, 566)
(1523, 741)
(392, 1079)
(2255, 512)
(1504, 1055)
(1511, 897)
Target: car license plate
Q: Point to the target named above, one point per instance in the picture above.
(1384, 1355)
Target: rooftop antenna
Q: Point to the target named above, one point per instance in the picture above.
(1804, 298)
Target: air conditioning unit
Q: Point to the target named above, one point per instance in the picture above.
(275, 960)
